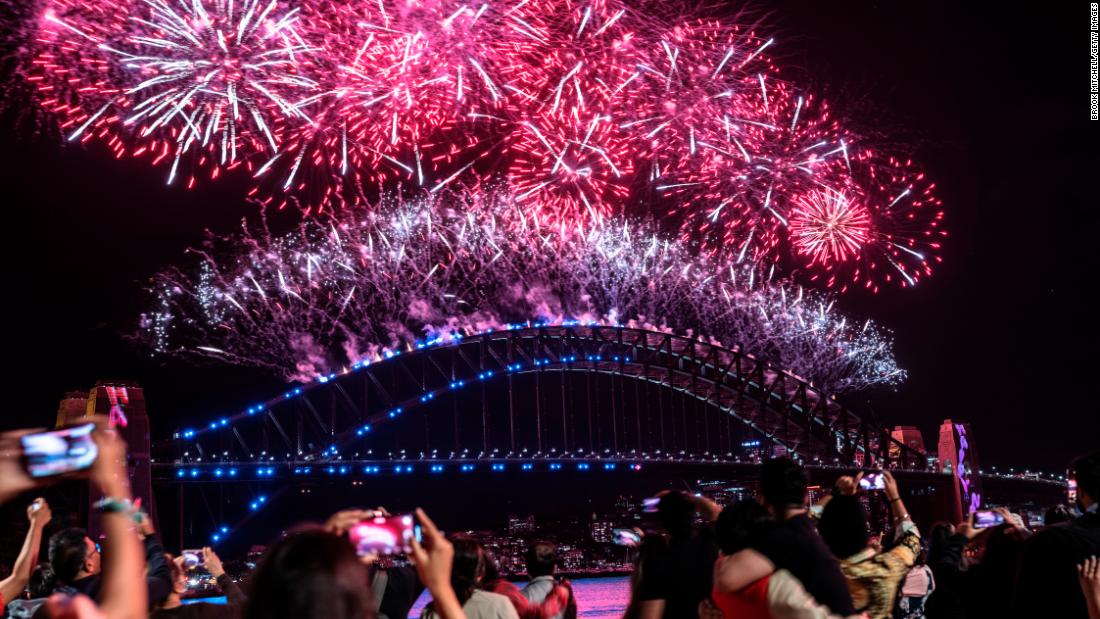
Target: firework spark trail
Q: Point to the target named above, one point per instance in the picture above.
(352, 285)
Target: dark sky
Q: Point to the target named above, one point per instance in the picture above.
(992, 100)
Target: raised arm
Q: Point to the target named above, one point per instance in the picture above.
(39, 515)
(433, 560)
(897, 507)
(707, 508)
(1088, 575)
(213, 563)
(125, 563)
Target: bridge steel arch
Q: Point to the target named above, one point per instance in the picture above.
(338, 418)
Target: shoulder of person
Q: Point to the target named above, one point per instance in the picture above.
(495, 602)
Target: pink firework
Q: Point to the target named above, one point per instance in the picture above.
(774, 145)
(410, 94)
(829, 227)
(203, 80)
(902, 223)
(584, 56)
(587, 108)
(693, 85)
(570, 169)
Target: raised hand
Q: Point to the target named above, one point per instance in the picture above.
(433, 556)
(212, 562)
(38, 512)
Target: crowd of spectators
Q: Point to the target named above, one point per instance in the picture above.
(773, 557)
(777, 557)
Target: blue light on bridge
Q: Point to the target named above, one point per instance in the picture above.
(554, 466)
(265, 472)
(194, 472)
(609, 466)
(583, 466)
(362, 431)
(372, 470)
(527, 466)
(232, 472)
(498, 467)
(180, 472)
(188, 434)
(437, 468)
(218, 472)
(466, 468)
(215, 537)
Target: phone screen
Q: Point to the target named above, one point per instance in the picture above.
(626, 537)
(192, 558)
(872, 481)
(649, 505)
(985, 518)
(384, 536)
(59, 451)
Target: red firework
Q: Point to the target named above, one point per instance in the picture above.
(829, 227)
(903, 229)
(571, 169)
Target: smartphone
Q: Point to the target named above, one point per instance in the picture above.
(385, 536)
(626, 537)
(873, 480)
(649, 505)
(192, 558)
(57, 452)
(985, 518)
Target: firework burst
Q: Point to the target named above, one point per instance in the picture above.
(348, 287)
(829, 227)
(202, 80)
(590, 110)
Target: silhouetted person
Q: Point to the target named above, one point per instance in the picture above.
(677, 571)
(1046, 584)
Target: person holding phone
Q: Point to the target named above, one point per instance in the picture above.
(874, 576)
(173, 607)
(676, 567)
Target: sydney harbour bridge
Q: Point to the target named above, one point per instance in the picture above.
(572, 399)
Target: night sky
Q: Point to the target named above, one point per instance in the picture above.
(992, 101)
